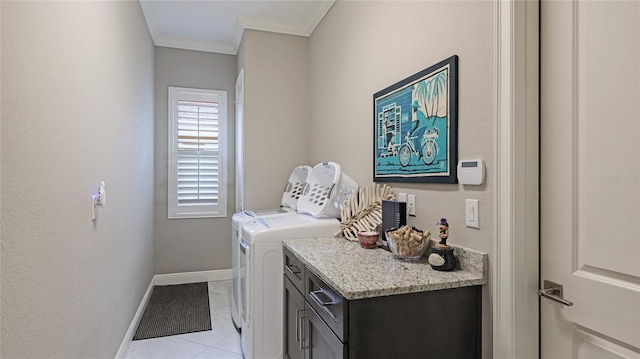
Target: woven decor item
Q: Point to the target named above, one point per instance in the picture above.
(362, 211)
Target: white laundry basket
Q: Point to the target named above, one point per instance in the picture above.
(326, 189)
(293, 188)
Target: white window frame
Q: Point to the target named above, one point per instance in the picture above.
(175, 210)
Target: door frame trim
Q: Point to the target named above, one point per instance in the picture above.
(516, 185)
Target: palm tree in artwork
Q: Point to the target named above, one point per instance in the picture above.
(428, 94)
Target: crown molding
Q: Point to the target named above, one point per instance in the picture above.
(150, 19)
(280, 26)
(217, 47)
(238, 33)
(320, 10)
(272, 25)
(306, 28)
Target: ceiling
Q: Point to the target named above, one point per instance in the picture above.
(217, 25)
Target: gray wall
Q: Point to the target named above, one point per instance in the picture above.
(360, 48)
(77, 108)
(186, 245)
(276, 113)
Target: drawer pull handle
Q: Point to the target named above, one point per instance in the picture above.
(315, 295)
(321, 302)
(292, 271)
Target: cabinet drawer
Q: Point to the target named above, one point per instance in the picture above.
(294, 269)
(328, 303)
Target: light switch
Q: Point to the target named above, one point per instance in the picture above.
(411, 205)
(471, 214)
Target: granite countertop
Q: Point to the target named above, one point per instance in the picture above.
(358, 273)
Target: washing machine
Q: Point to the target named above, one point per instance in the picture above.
(289, 202)
(261, 249)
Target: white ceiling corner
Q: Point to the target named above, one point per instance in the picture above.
(217, 26)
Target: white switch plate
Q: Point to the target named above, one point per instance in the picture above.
(402, 197)
(471, 213)
(411, 205)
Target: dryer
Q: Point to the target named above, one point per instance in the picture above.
(238, 266)
(262, 250)
(289, 204)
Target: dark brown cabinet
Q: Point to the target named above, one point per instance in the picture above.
(294, 308)
(320, 323)
(306, 335)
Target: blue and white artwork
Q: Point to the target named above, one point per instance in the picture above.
(413, 128)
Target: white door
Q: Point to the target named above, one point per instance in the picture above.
(590, 177)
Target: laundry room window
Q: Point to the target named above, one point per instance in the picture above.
(197, 162)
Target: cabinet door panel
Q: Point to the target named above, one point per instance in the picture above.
(293, 311)
(320, 341)
(435, 324)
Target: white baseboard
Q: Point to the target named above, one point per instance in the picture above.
(167, 279)
(192, 277)
(124, 346)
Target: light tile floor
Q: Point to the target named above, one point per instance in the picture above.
(221, 342)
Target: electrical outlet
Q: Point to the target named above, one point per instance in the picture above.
(411, 205)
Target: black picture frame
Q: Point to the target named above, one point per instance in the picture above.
(415, 131)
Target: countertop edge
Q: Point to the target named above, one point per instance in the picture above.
(472, 272)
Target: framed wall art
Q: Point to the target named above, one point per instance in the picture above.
(415, 127)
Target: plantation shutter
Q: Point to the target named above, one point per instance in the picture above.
(197, 180)
(198, 148)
